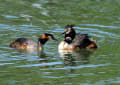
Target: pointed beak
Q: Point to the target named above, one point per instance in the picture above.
(52, 37)
(55, 39)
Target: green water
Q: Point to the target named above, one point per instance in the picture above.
(31, 18)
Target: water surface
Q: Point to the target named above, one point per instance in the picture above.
(31, 18)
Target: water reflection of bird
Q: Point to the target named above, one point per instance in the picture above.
(43, 59)
(73, 40)
(29, 44)
(75, 58)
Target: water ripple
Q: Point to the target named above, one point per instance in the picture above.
(37, 5)
(10, 16)
(1, 64)
(43, 64)
(97, 25)
(99, 33)
(78, 67)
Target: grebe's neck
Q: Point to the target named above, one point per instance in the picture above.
(42, 41)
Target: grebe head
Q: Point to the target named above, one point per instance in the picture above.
(45, 37)
(68, 29)
(69, 33)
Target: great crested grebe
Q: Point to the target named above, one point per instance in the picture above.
(26, 43)
(73, 40)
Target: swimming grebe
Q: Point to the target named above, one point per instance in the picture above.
(26, 43)
(73, 40)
